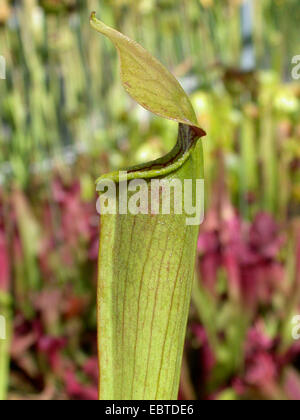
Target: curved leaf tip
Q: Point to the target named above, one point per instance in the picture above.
(147, 81)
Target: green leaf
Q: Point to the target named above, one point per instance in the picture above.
(146, 261)
(147, 80)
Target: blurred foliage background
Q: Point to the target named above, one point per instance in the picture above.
(65, 120)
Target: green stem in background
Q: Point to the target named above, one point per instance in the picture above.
(30, 237)
(6, 315)
(268, 157)
(249, 163)
(147, 261)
